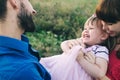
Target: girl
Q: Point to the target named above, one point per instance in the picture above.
(65, 66)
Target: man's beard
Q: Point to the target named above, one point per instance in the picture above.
(25, 20)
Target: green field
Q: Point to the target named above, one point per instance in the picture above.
(86, 6)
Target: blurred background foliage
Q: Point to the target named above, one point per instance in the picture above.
(58, 20)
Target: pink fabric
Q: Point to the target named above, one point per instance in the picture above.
(65, 66)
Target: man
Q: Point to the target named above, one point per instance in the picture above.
(16, 59)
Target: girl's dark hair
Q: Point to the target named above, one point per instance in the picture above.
(93, 19)
(108, 10)
(3, 9)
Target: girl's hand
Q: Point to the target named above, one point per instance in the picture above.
(80, 55)
(90, 57)
(80, 42)
(68, 44)
(72, 43)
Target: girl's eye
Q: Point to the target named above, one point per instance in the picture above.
(91, 28)
(88, 28)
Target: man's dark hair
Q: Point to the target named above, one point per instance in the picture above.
(3, 9)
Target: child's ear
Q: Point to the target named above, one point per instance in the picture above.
(104, 36)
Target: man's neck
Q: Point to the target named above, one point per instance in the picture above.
(10, 29)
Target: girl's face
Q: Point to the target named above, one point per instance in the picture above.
(93, 33)
(112, 29)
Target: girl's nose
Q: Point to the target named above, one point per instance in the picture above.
(86, 31)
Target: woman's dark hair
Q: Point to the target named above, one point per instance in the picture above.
(118, 51)
(110, 43)
(3, 9)
(118, 54)
(108, 10)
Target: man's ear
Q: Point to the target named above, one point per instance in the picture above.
(13, 3)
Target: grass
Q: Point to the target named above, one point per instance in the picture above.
(86, 5)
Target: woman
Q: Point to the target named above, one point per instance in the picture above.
(109, 12)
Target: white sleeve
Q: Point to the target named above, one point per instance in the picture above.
(102, 52)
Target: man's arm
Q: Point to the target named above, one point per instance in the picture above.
(31, 72)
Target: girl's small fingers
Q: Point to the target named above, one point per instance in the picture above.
(90, 55)
(87, 58)
(80, 42)
(90, 59)
(72, 43)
